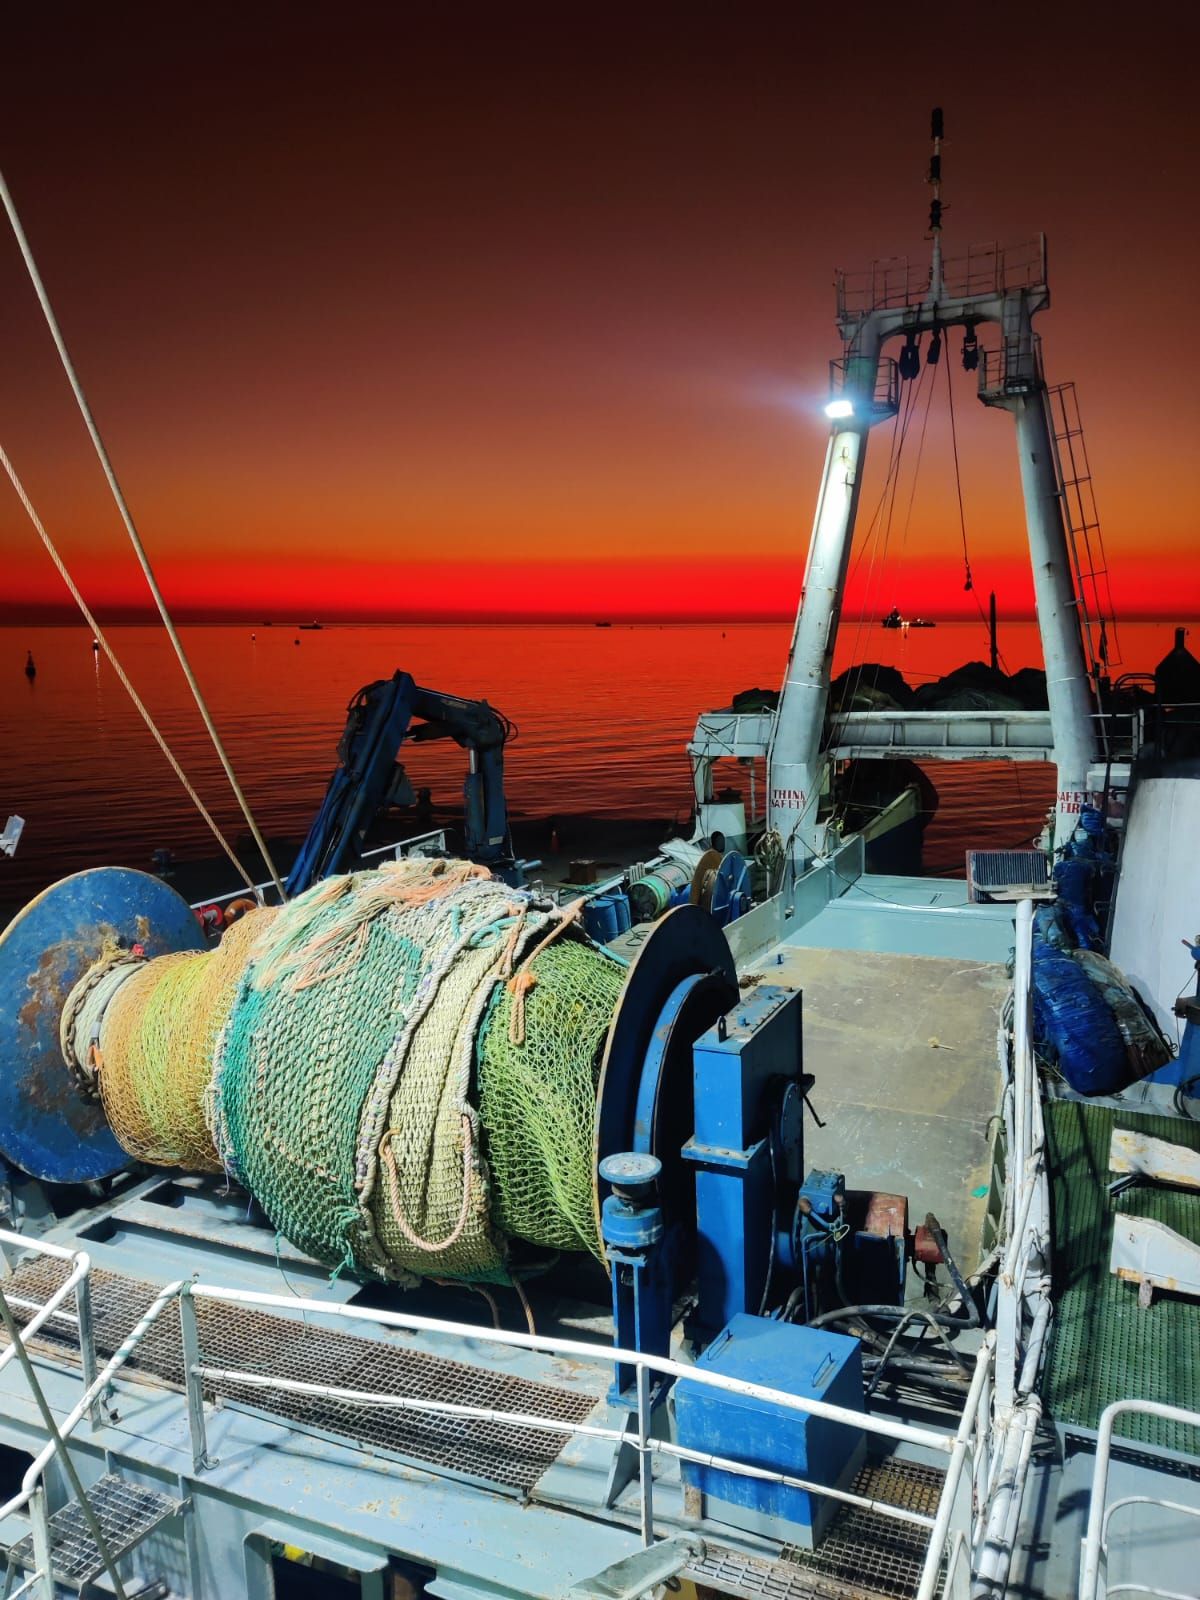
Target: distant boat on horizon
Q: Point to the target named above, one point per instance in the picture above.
(604, 624)
(310, 627)
(895, 620)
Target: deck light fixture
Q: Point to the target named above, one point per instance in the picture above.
(839, 408)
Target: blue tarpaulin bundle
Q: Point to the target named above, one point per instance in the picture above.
(1073, 1023)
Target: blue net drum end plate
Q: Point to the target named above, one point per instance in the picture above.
(684, 943)
(47, 1128)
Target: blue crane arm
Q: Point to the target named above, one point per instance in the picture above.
(379, 720)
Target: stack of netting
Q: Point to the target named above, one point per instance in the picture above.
(399, 1065)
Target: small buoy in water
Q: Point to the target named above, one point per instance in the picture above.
(253, 637)
(30, 666)
(95, 647)
(295, 641)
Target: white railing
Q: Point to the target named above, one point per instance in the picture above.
(435, 840)
(968, 1443)
(967, 1447)
(1093, 1576)
(32, 1493)
(1023, 1306)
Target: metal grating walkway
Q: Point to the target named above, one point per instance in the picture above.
(1102, 1346)
(275, 1346)
(863, 1556)
(126, 1512)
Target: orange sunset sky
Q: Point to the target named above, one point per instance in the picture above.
(432, 310)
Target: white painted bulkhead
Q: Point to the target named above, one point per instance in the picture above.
(1158, 895)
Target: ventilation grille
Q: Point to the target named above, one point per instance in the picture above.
(1007, 875)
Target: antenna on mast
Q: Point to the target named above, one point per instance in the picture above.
(936, 130)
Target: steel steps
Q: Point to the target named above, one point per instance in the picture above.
(127, 1512)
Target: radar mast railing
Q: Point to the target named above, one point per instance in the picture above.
(981, 271)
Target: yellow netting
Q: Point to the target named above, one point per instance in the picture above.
(539, 1060)
(430, 1200)
(157, 1041)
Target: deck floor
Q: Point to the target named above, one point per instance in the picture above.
(1103, 1347)
(904, 1052)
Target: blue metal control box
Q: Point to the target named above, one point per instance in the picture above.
(806, 1362)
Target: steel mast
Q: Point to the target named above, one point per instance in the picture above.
(989, 286)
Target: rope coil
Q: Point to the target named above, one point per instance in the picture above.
(83, 1016)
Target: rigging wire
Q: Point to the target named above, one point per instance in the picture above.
(879, 538)
(126, 515)
(969, 584)
(887, 498)
(101, 638)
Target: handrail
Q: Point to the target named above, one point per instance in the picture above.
(969, 1440)
(75, 1282)
(33, 1490)
(1097, 1524)
(260, 889)
(579, 1349)
(78, 1273)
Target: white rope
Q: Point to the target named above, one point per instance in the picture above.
(127, 518)
(98, 632)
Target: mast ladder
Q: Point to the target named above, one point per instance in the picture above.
(1082, 521)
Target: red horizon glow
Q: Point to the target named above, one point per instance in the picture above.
(431, 318)
(562, 592)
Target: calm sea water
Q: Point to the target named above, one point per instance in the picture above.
(604, 715)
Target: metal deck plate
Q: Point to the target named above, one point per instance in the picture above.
(863, 1556)
(275, 1346)
(126, 1512)
(1102, 1346)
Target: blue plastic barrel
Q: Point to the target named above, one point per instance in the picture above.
(600, 918)
(620, 902)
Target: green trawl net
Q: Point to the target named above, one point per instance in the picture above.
(326, 1011)
(373, 1010)
(537, 1094)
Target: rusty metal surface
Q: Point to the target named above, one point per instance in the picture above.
(47, 1127)
(284, 1347)
(887, 1215)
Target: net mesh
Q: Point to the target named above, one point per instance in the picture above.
(430, 1197)
(341, 1097)
(399, 1065)
(537, 1094)
(157, 1041)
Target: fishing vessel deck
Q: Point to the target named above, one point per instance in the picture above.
(359, 1471)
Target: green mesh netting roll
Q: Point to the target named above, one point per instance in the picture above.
(345, 1094)
(331, 999)
(537, 1095)
(400, 1066)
